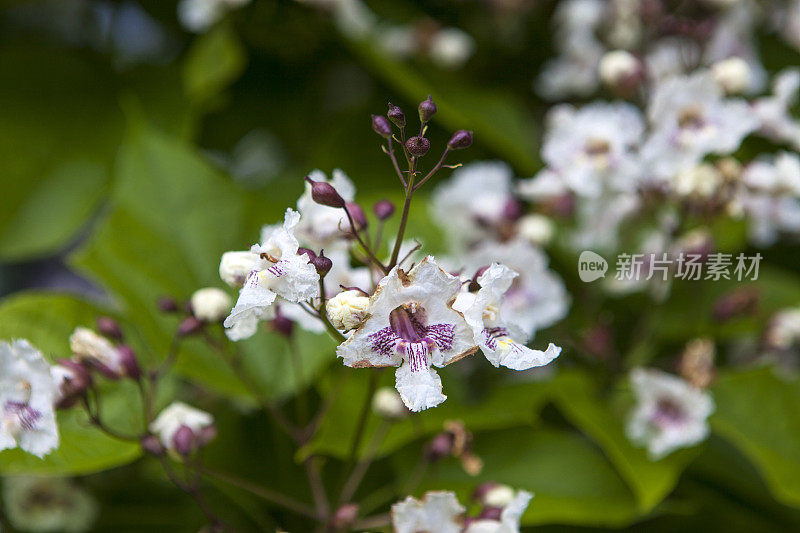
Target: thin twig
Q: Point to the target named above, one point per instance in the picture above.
(317, 488)
(433, 171)
(364, 245)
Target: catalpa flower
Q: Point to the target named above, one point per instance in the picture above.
(441, 512)
(182, 428)
(502, 343)
(670, 413)
(321, 226)
(410, 323)
(277, 270)
(27, 395)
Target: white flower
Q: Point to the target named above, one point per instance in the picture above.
(691, 119)
(600, 219)
(234, 267)
(27, 395)
(732, 74)
(510, 516)
(322, 227)
(347, 309)
(774, 113)
(537, 297)
(473, 201)
(538, 229)
(411, 324)
(451, 47)
(670, 413)
(701, 181)
(176, 416)
(783, 329)
(88, 346)
(48, 504)
(617, 67)
(388, 404)
(501, 342)
(771, 197)
(281, 272)
(592, 148)
(210, 304)
(199, 15)
(438, 511)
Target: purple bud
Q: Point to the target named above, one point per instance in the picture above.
(426, 110)
(396, 115)
(474, 286)
(324, 194)
(418, 146)
(359, 217)
(207, 434)
(513, 209)
(482, 490)
(440, 447)
(73, 387)
(167, 304)
(151, 444)
(282, 324)
(127, 359)
(383, 209)
(109, 327)
(491, 513)
(189, 326)
(103, 369)
(322, 264)
(460, 139)
(381, 126)
(736, 304)
(344, 517)
(310, 253)
(183, 440)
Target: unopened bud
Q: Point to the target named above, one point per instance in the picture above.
(440, 447)
(310, 253)
(498, 496)
(324, 194)
(206, 435)
(344, 517)
(732, 74)
(426, 110)
(388, 404)
(357, 214)
(72, 379)
(322, 264)
(740, 302)
(152, 445)
(347, 309)
(127, 359)
(460, 140)
(167, 304)
(381, 126)
(109, 327)
(396, 115)
(189, 326)
(210, 304)
(537, 229)
(491, 513)
(620, 70)
(183, 441)
(383, 209)
(418, 146)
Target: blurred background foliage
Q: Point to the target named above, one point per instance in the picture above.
(125, 175)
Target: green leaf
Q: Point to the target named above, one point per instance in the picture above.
(215, 60)
(572, 481)
(758, 411)
(577, 397)
(508, 405)
(47, 320)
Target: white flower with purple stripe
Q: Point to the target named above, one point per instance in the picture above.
(501, 342)
(438, 511)
(278, 271)
(411, 324)
(27, 395)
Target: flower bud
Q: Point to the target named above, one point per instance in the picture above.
(282, 324)
(426, 110)
(152, 445)
(440, 447)
(383, 209)
(347, 309)
(738, 303)
(460, 139)
(381, 126)
(358, 215)
(108, 327)
(396, 115)
(418, 146)
(127, 359)
(210, 304)
(387, 403)
(732, 74)
(189, 326)
(538, 229)
(512, 209)
(344, 517)
(310, 253)
(696, 364)
(498, 496)
(89, 347)
(183, 440)
(234, 267)
(169, 305)
(620, 70)
(72, 379)
(324, 194)
(491, 513)
(783, 329)
(322, 264)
